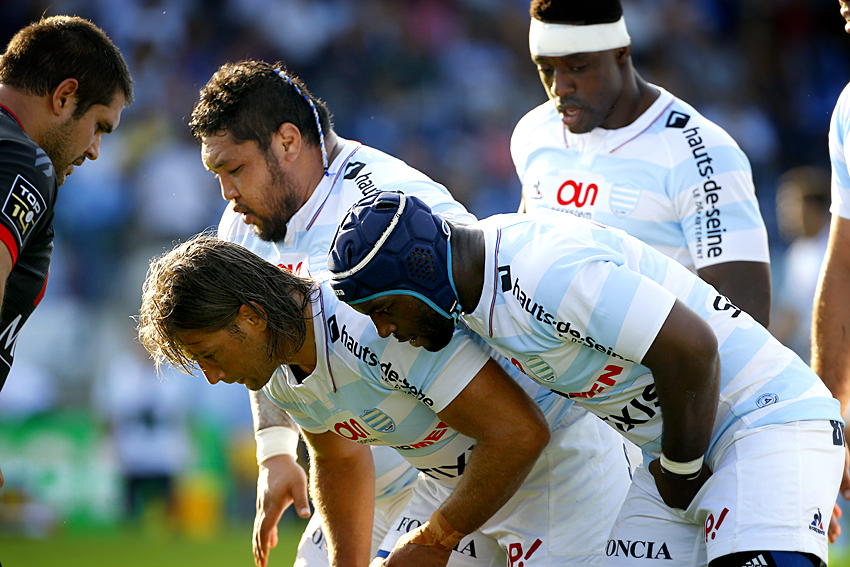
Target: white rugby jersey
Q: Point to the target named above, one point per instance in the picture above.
(357, 171)
(576, 305)
(382, 392)
(672, 178)
(838, 128)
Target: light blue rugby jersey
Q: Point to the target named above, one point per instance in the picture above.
(577, 305)
(838, 130)
(357, 170)
(383, 392)
(672, 178)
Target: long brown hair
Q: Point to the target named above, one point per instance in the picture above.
(202, 283)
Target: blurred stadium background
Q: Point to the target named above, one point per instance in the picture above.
(91, 440)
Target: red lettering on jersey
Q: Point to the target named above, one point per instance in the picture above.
(605, 379)
(350, 430)
(575, 195)
(296, 269)
(516, 363)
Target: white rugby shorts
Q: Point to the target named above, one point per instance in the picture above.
(772, 489)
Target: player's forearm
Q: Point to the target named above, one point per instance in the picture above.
(685, 366)
(831, 326)
(265, 414)
(343, 491)
(493, 475)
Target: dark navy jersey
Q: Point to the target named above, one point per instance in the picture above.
(27, 199)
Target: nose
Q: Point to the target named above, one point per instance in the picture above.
(384, 327)
(93, 150)
(563, 84)
(213, 374)
(229, 191)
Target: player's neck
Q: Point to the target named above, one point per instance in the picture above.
(333, 147)
(468, 265)
(28, 109)
(637, 96)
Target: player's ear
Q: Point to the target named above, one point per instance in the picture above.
(63, 99)
(288, 141)
(623, 54)
(253, 315)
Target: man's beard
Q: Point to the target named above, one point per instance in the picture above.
(55, 144)
(283, 204)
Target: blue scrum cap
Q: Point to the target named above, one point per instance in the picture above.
(390, 243)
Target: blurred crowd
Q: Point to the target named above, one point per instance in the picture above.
(438, 83)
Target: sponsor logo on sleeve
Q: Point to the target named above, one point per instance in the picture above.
(677, 119)
(24, 207)
(708, 221)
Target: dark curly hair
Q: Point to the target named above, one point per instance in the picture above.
(250, 101)
(578, 13)
(45, 53)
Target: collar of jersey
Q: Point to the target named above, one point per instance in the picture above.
(611, 140)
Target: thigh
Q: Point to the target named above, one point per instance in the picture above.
(563, 512)
(475, 550)
(648, 532)
(773, 490)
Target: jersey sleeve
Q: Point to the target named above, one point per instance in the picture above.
(281, 396)
(438, 199)
(711, 185)
(441, 376)
(839, 155)
(610, 304)
(25, 193)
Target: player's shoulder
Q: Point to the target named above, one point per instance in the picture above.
(683, 127)
(21, 156)
(532, 122)
(843, 103)
(369, 168)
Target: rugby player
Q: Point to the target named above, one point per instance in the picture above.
(831, 311)
(636, 338)
(290, 179)
(454, 415)
(63, 84)
(612, 147)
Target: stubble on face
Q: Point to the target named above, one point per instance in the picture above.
(56, 143)
(434, 327)
(283, 202)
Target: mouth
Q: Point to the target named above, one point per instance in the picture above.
(570, 113)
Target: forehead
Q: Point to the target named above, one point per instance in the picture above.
(218, 148)
(198, 341)
(110, 113)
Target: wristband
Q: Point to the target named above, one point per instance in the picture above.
(688, 470)
(437, 532)
(273, 441)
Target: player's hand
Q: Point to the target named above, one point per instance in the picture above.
(281, 482)
(677, 493)
(415, 555)
(834, 529)
(2, 480)
(407, 554)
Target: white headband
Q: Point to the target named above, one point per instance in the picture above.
(555, 40)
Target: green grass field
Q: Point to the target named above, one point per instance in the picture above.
(230, 548)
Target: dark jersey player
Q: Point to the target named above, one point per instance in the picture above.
(63, 84)
(28, 192)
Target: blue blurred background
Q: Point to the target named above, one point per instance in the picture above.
(91, 441)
